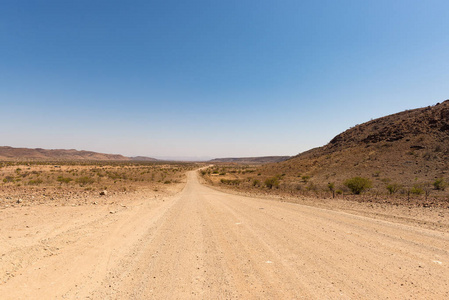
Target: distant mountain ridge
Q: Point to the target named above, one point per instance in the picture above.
(143, 158)
(38, 154)
(250, 160)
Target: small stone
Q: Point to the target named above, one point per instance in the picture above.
(104, 193)
(19, 201)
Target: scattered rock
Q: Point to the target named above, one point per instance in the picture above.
(104, 193)
(417, 147)
(19, 201)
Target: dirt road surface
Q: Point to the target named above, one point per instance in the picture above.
(206, 244)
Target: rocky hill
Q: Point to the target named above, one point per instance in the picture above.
(38, 154)
(409, 148)
(250, 160)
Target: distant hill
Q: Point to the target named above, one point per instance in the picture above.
(408, 148)
(38, 154)
(250, 160)
(143, 158)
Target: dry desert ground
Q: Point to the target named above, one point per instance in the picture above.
(186, 240)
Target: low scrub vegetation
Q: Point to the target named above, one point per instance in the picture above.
(75, 178)
(230, 181)
(374, 187)
(393, 188)
(417, 190)
(358, 184)
(440, 184)
(272, 182)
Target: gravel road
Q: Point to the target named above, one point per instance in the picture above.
(207, 244)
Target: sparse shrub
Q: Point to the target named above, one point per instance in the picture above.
(84, 180)
(358, 184)
(35, 182)
(393, 188)
(416, 190)
(230, 181)
(8, 179)
(62, 179)
(312, 187)
(386, 180)
(167, 181)
(305, 178)
(331, 187)
(256, 182)
(439, 184)
(339, 192)
(272, 182)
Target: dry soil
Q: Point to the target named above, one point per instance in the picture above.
(202, 243)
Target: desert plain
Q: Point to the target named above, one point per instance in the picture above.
(162, 231)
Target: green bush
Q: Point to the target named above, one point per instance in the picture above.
(35, 182)
(84, 180)
(272, 182)
(62, 179)
(416, 190)
(358, 184)
(440, 184)
(305, 178)
(8, 179)
(256, 182)
(230, 181)
(393, 188)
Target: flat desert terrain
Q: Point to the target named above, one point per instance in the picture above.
(195, 242)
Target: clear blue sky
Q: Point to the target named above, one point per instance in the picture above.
(213, 78)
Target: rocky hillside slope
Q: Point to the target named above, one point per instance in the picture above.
(408, 148)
